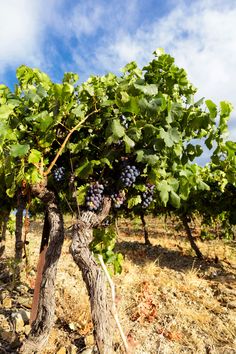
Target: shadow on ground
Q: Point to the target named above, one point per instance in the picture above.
(141, 254)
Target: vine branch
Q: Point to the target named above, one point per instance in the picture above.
(66, 140)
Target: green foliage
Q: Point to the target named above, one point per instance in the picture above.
(104, 243)
(81, 125)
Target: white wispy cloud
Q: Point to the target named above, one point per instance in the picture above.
(201, 37)
(19, 32)
(102, 36)
(23, 32)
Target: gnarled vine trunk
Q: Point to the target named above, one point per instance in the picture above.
(3, 230)
(41, 326)
(19, 227)
(93, 277)
(190, 238)
(145, 230)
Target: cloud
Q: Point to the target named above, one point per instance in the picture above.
(23, 32)
(201, 37)
(95, 37)
(19, 32)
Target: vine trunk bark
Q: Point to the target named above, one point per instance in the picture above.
(93, 277)
(19, 228)
(3, 230)
(190, 237)
(44, 320)
(145, 230)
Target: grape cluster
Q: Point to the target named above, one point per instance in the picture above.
(118, 199)
(106, 222)
(124, 121)
(129, 175)
(59, 174)
(94, 196)
(147, 196)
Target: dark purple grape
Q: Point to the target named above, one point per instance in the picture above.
(147, 196)
(118, 199)
(106, 222)
(124, 122)
(129, 175)
(94, 198)
(59, 174)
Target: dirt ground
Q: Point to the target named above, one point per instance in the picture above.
(168, 301)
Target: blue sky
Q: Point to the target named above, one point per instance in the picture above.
(94, 37)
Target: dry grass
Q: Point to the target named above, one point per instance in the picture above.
(169, 302)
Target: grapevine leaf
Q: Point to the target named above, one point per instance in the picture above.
(85, 170)
(35, 176)
(174, 199)
(170, 137)
(212, 107)
(45, 120)
(203, 186)
(173, 183)
(164, 189)
(118, 263)
(149, 90)
(184, 189)
(140, 187)
(5, 111)
(19, 150)
(117, 129)
(135, 134)
(105, 161)
(79, 111)
(134, 201)
(129, 143)
(81, 194)
(34, 156)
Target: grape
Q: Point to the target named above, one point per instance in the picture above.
(59, 174)
(129, 175)
(147, 196)
(118, 199)
(106, 222)
(94, 198)
(124, 122)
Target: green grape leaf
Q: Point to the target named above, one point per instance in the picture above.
(34, 176)
(174, 199)
(135, 200)
(149, 90)
(164, 189)
(170, 137)
(5, 111)
(212, 107)
(140, 187)
(129, 143)
(85, 170)
(173, 183)
(19, 150)
(44, 120)
(202, 186)
(117, 129)
(184, 189)
(34, 156)
(81, 194)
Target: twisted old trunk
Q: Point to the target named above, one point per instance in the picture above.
(145, 230)
(93, 277)
(3, 231)
(44, 320)
(190, 237)
(21, 203)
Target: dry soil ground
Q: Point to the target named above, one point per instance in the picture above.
(168, 301)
